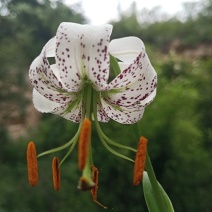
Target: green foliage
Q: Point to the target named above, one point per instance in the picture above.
(161, 33)
(149, 194)
(177, 142)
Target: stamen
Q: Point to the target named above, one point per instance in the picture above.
(32, 164)
(140, 160)
(95, 178)
(84, 141)
(56, 173)
(85, 184)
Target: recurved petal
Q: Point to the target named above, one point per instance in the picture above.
(134, 84)
(41, 72)
(101, 114)
(43, 86)
(124, 115)
(148, 99)
(45, 79)
(126, 49)
(70, 111)
(123, 66)
(43, 104)
(50, 47)
(82, 52)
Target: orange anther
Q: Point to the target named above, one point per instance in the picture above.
(32, 164)
(56, 173)
(84, 141)
(140, 160)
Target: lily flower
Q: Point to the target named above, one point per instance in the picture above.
(82, 64)
(71, 79)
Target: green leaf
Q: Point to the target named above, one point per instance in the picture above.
(151, 201)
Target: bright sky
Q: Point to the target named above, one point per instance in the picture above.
(102, 11)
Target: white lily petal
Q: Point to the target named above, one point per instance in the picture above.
(50, 47)
(43, 104)
(123, 66)
(124, 115)
(55, 70)
(45, 87)
(45, 78)
(148, 99)
(40, 72)
(101, 114)
(126, 49)
(133, 84)
(82, 53)
(74, 114)
(133, 72)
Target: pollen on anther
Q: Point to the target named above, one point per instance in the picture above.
(32, 164)
(56, 173)
(140, 160)
(84, 141)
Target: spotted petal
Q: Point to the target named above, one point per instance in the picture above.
(126, 49)
(121, 114)
(45, 78)
(43, 104)
(137, 80)
(50, 47)
(101, 113)
(71, 111)
(82, 54)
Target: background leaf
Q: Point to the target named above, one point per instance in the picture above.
(150, 196)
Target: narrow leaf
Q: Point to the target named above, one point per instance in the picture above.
(150, 196)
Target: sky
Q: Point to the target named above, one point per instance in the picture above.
(102, 11)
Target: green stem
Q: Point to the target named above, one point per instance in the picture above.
(69, 151)
(90, 153)
(105, 144)
(88, 97)
(87, 170)
(100, 133)
(117, 144)
(86, 173)
(155, 185)
(74, 141)
(56, 149)
(61, 147)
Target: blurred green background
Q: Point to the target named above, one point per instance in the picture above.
(178, 123)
